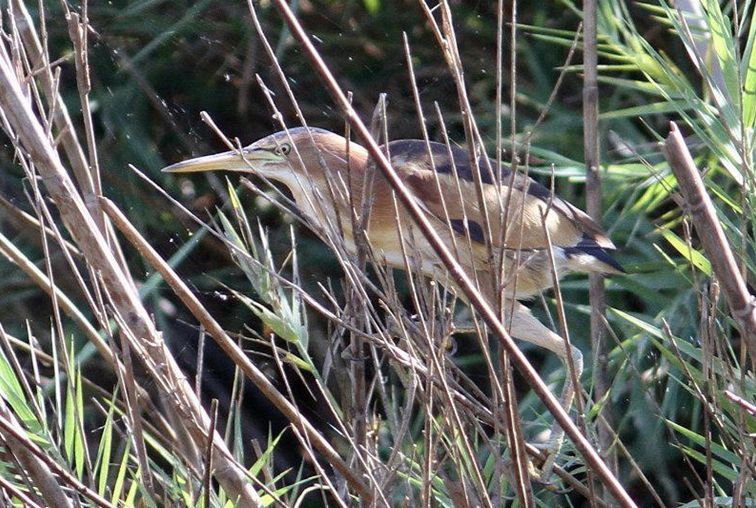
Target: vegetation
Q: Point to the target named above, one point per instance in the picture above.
(328, 380)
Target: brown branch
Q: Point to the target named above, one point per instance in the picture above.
(712, 236)
(61, 118)
(596, 294)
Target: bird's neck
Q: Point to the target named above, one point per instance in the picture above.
(329, 188)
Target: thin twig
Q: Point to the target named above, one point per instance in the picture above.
(39, 58)
(715, 244)
(207, 474)
(78, 32)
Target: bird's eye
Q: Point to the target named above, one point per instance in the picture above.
(283, 149)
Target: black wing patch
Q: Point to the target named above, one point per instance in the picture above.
(416, 151)
(590, 247)
(476, 232)
(446, 160)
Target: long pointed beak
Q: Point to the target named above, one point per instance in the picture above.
(226, 161)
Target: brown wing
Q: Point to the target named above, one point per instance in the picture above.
(450, 199)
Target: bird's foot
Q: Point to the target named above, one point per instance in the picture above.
(537, 468)
(545, 474)
(536, 474)
(547, 480)
(550, 449)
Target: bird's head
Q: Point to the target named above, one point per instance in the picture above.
(286, 156)
(309, 161)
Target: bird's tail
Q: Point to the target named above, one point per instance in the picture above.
(588, 256)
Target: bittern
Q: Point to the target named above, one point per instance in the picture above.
(328, 175)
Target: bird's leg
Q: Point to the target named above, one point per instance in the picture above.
(568, 396)
(462, 321)
(524, 326)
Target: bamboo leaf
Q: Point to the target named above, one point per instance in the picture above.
(693, 256)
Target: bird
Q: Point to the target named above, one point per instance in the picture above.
(482, 217)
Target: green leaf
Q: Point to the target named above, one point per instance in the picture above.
(79, 446)
(230, 233)
(233, 197)
(284, 329)
(693, 256)
(69, 423)
(11, 391)
(749, 81)
(134, 489)
(372, 6)
(123, 469)
(105, 450)
(267, 456)
(718, 451)
(722, 41)
(654, 331)
(73, 444)
(656, 108)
